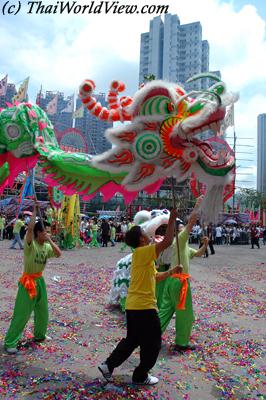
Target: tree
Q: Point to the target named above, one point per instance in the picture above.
(149, 77)
(250, 198)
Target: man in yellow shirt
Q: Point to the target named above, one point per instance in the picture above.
(31, 295)
(16, 231)
(143, 324)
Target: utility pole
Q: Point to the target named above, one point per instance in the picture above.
(234, 148)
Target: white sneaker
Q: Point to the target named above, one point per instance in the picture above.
(150, 380)
(11, 350)
(103, 368)
(41, 340)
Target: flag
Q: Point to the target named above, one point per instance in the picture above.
(252, 213)
(27, 189)
(259, 214)
(229, 120)
(22, 92)
(52, 106)
(70, 105)
(39, 96)
(79, 113)
(3, 86)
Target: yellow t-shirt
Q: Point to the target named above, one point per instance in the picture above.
(18, 225)
(36, 255)
(141, 292)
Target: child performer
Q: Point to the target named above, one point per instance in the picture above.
(143, 325)
(177, 288)
(31, 295)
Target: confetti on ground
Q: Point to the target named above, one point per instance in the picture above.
(229, 304)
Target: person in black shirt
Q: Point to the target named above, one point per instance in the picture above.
(105, 230)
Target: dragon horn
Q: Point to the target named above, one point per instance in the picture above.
(116, 112)
(204, 75)
(112, 97)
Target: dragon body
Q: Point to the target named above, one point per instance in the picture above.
(159, 138)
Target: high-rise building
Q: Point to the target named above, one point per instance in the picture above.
(93, 128)
(174, 52)
(60, 120)
(10, 93)
(261, 154)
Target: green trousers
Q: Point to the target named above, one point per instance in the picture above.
(183, 318)
(94, 242)
(160, 285)
(24, 306)
(123, 304)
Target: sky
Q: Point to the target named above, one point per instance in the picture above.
(58, 51)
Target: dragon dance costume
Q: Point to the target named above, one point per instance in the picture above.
(31, 295)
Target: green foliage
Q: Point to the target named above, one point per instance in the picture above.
(250, 198)
(149, 77)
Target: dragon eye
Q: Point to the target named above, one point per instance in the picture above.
(170, 107)
(195, 107)
(12, 131)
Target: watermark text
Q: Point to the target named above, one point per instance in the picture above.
(13, 7)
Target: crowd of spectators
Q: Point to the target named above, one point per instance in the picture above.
(224, 234)
(113, 231)
(108, 230)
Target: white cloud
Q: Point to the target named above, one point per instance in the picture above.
(59, 51)
(87, 45)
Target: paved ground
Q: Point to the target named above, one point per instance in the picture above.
(229, 304)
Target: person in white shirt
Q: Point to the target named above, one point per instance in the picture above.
(219, 233)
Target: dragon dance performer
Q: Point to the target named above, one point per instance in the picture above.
(31, 295)
(177, 296)
(154, 224)
(143, 325)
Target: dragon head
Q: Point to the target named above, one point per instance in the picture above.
(161, 140)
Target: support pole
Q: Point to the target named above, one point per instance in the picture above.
(35, 198)
(176, 233)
